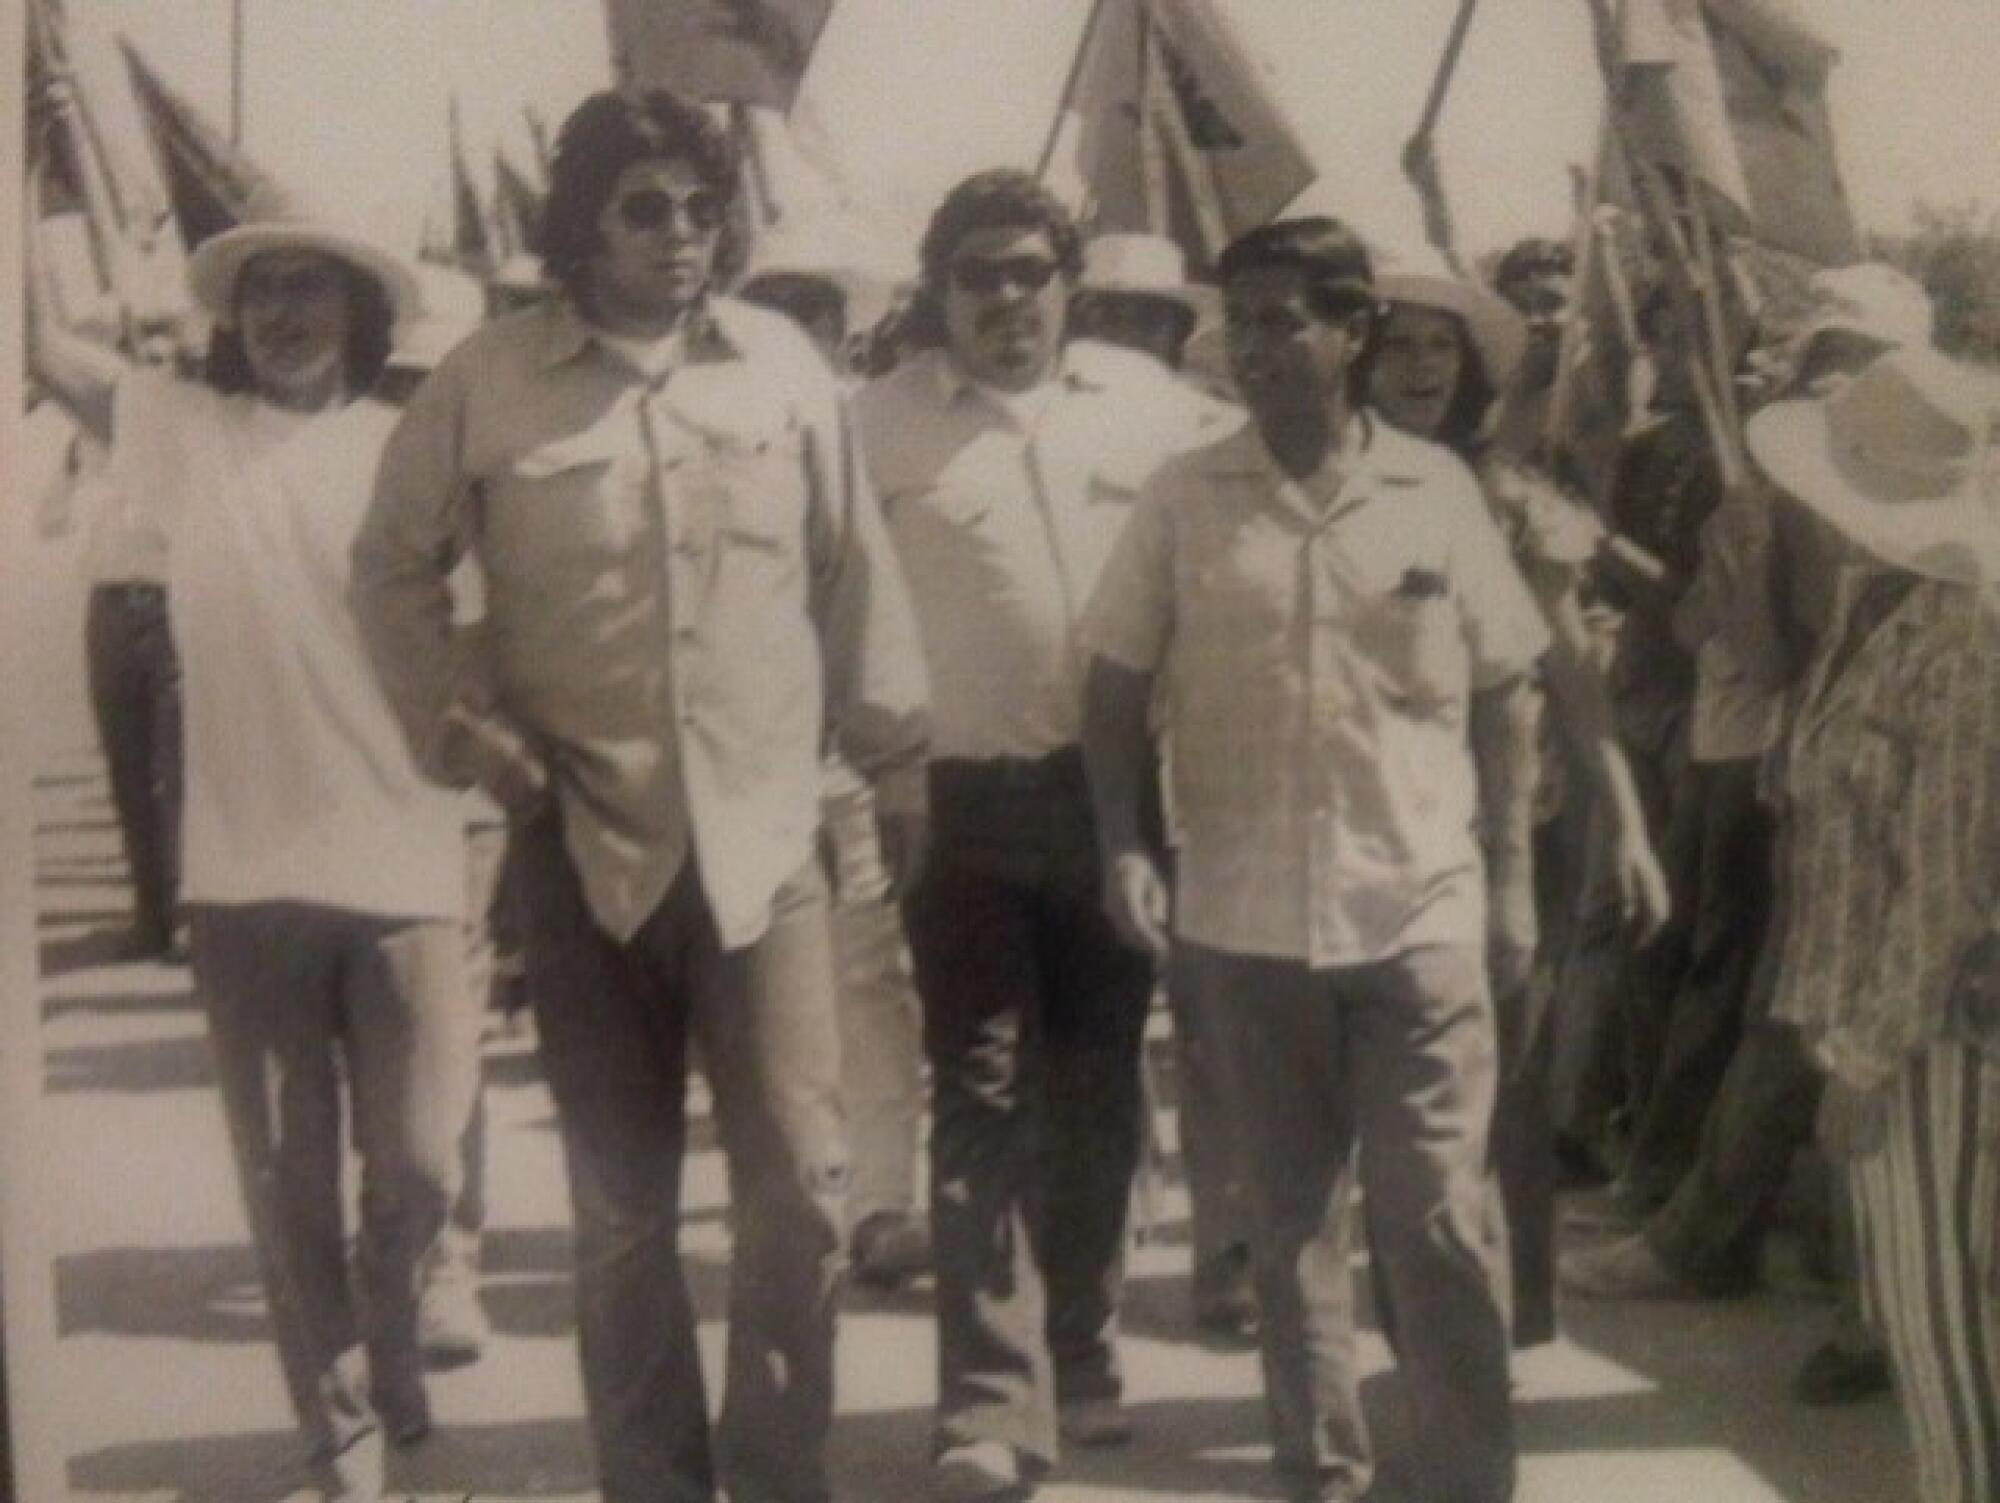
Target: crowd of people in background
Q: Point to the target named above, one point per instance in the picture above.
(888, 719)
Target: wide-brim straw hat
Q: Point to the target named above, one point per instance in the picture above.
(1901, 461)
(219, 260)
(1419, 277)
(1130, 263)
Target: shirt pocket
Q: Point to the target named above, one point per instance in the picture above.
(580, 496)
(1411, 640)
(759, 486)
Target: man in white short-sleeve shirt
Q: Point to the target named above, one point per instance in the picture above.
(1342, 649)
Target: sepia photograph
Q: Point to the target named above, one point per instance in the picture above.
(958, 751)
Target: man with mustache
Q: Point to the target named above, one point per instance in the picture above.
(1007, 464)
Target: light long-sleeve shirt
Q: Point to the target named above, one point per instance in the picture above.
(686, 580)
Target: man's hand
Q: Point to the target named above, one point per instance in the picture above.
(500, 759)
(1642, 886)
(1510, 933)
(905, 838)
(1135, 898)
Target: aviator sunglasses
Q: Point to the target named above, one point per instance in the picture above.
(651, 208)
(984, 275)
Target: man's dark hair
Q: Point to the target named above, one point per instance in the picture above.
(1535, 256)
(1002, 198)
(1339, 279)
(610, 132)
(371, 323)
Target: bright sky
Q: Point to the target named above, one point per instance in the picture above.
(349, 96)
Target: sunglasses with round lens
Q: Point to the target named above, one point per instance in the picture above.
(985, 276)
(651, 208)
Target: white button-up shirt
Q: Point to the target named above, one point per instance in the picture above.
(1318, 662)
(1003, 525)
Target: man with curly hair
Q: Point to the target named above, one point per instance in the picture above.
(687, 583)
(1007, 462)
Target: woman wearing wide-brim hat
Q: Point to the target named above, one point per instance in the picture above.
(323, 876)
(1442, 352)
(1889, 789)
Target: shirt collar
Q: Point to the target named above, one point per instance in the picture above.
(709, 335)
(1384, 457)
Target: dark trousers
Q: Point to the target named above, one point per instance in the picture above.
(135, 695)
(1712, 1227)
(1033, 1018)
(1398, 1056)
(615, 1021)
(298, 996)
(1689, 988)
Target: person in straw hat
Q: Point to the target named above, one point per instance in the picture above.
(324, 875)
(1134, 292)
(1889, 777)
(1443, 353)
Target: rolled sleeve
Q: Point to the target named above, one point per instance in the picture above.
(412, 537)
(877, 691)
(1129, 619)
(1505, 631)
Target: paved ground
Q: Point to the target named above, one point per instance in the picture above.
(159, 1384)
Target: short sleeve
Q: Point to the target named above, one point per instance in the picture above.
(1505, 631)
(1129, 619)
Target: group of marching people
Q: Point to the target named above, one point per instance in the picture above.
(1040, 672)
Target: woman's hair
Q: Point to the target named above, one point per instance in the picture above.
(371, 321)
(610, 132)
(1004, 198)
(1461, 429)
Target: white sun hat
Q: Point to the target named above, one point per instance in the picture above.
(1903, 461)
(1419, 277)
(1131, 263)
(276, 222)
(1871, 299)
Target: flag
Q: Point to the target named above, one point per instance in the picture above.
(1732, 94)
(717, 51)
(471, 238)
(538, 135)
(1170, 125)
(209, 181)
(98, 157)
(517, 208)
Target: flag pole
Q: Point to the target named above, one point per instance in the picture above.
(235, 72)
(1419, 155)
(1047, 157)
(1708, 372)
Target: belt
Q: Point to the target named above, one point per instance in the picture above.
(1061, 768)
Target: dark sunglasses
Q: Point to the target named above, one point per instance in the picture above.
(650, 208)
(979, 274)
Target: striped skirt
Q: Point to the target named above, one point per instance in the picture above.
(1927, 1205)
